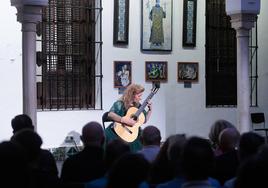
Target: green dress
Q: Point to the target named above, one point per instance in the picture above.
(119, 108)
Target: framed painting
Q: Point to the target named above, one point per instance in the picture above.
(156, 29)
(122, 74)
(189, 23)
(121, 16)
(187, 71)
(156, 71)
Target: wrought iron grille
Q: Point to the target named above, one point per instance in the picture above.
(221, 78)
(69, 60)
(253, 56)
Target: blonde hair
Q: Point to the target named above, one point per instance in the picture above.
(129, 93)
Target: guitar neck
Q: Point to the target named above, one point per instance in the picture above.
(144, 104)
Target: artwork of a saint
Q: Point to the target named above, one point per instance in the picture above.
(157, 14)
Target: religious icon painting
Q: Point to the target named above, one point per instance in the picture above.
(156, 25)
(189, 23)
(121, 16)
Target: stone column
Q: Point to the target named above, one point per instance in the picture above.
(29, 14)
(242, 23)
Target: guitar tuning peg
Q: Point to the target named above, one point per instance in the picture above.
(156, 84)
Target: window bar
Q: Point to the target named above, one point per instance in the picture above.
(256, 68)
(100, 11)
(49, 56)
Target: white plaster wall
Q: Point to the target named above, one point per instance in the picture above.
(191, 115)
(10, 71)
(263, 59)
(176, 109)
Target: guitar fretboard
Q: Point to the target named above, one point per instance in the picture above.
(144, 104)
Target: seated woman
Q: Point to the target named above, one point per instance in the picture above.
(131, 98)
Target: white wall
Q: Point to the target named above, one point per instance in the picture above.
(263, 60)
(176, 109)
(10, 71)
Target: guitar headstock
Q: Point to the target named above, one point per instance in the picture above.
(156, 86)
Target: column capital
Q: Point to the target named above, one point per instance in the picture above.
(243, 21)
(29, 11)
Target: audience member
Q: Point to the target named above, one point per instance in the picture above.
(163, 167)
(130, 171)
(87, 164)
(175, 147)
(252, 172)
(197, 163)
(215, 131)
(13, 165)
(175, 155)
(31, 143)
(113, 151)
(249, 145)
(227, 162)
(151, 139)
(246, 175)
(40, 175)
(228, 139)
(46, 161)
(21, 121)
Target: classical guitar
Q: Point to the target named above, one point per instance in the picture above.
(127, 133)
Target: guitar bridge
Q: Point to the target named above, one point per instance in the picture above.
(129, 131)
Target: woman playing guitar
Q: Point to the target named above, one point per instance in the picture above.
(125, 122)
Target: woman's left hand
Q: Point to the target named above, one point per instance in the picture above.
(149, 105)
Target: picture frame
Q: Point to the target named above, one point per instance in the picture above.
(156, 71)
(156, 25)
(187, 71)
(189, 23)
(121, 19)
(122, 74)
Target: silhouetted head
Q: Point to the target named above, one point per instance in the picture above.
(229, 139)
(174, 151)
(151, 136)
(175, 146)
(114, 150)
(128, 171)
(20, 122)
(252, 171)
(216, 128)
(93, 134)
(30, 141)
(197, 159)
(249, 144)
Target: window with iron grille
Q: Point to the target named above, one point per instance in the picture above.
(253, 61)
(221, 81)
(69, 55)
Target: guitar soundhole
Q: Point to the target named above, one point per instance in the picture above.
(134, 117)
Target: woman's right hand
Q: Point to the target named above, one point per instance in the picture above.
(128, 121)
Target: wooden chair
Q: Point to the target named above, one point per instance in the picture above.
(105, 119)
